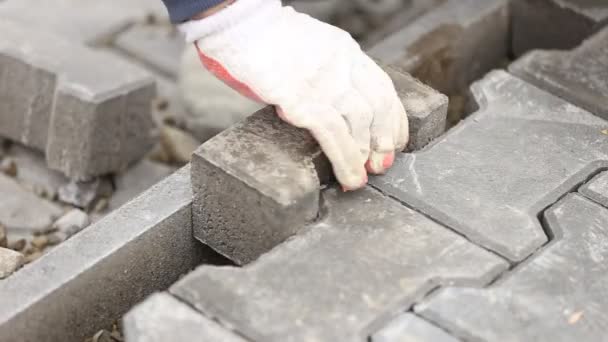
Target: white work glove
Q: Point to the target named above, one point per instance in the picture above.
(315, 75)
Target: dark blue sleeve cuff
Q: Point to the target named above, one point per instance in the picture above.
(182, 10)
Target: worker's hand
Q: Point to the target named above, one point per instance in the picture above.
(317, 77)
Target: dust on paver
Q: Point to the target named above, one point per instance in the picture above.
(560, 295)
(579, 76)
(490, 177)
(343, 278)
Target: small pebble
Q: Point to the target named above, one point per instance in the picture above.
(8, 167)
(67, 225)
(40, 242)
(10, 261)
(32, 257)
(3, 239)
(101, 205)
(18, 245)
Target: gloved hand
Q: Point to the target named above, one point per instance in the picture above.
(317, 77)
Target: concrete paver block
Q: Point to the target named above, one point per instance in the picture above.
(489, 177)
(257, 183)
(88, 110)
(579, 76)
(93, 278)
(559, 295)
(555, 24)
(162, 318)
(158, 46)
(451, 45)
(597, 189)
(82, 21)
(411, 328)
(342, 278)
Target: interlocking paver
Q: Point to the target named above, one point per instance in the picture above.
(342, 278)
(81, 21)
(559, 295)
(411, 328)
(88, 123)
(597, 189)
(162, 318)
(90, 280)
(579, 76)
(257, 183)
(489, 177)
(451, 45)
(555, 24)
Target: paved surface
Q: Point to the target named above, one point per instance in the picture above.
(494, 231)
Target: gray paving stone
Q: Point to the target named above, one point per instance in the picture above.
(341, 279)
(411, 328)
(23, 212)
(559, 295)
(88, 110)
(579, 76)
(93, 278)
(257, 183)
(81, 21)
(451, 45)
(555, 24)
(597, 189)
(162, 318)
(158, 46)
(489, 177)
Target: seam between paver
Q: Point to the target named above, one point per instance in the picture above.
(586, 182)
(513, 267)
(216, 321)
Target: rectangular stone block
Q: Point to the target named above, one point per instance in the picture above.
(555, 24)
(257, 183)
(162, 318)
(93, 278)
(341, 279)
(579, 76)
(88, 110)
(451, 45)
(489, 177)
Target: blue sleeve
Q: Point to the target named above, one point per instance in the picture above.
(182, 10)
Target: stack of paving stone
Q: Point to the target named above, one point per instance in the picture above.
(76, 116)
(494, 231)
